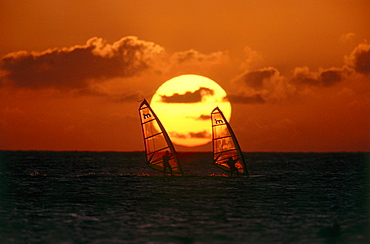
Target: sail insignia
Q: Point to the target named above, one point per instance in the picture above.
(226, 149)
(157, 142)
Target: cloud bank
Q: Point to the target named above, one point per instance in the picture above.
(267, 85)
(75, 67)
(86, 70)
(261, 86)
(89, 69)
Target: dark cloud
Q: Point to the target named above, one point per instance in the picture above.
(196, 57)
(267, 85)
(177, 135)
(247, 99)
(188, 97)
(255, 78)
(302, 75)
(359, 59)
(182, 57)
(330, 77)
(204, 117)
(75, 67)
(202, 134)
(327, 77)
(261, 86)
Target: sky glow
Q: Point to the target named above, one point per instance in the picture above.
(297, 73)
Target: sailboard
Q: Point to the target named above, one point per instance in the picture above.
(226, 148)
(157, 142)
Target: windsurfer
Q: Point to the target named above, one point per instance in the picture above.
(231, 163)
(166, 162)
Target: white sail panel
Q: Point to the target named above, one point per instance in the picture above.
(156, 141)
(225, 144)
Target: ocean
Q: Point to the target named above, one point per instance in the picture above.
(113, 197)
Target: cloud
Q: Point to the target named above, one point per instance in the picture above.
(267, 85)
(113, 71)
(347, 37)
(330, 77)
(324, 77)
(246, 98)
(194, 62)
(261, 86)
(116, 71)
(359, 59)
(253, 59)
(194, 57)
(256, 78)
(202, 134)
(204, 117)
(177, 135)
(302, 75)
(75, 67)
(188, 97)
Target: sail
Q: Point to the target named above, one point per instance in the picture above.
(157, 141)
(225, 144)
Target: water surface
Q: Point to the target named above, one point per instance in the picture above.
(111, 197)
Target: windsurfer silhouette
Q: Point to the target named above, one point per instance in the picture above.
(231, 162)
(166, 162)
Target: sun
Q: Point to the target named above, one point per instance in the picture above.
(184, 104)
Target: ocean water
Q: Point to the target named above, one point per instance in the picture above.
(113, 197)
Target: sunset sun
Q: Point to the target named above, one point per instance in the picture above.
(184, 103)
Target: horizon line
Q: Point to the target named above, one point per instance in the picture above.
(142, 151)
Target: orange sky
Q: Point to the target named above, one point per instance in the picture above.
(297, 72)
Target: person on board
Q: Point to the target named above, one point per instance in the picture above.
(166, 162)
(231, 163)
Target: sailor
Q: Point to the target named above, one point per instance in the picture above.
(231, 163)
(166, 162)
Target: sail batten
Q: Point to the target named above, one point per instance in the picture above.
(216, 139)
(226, 150)
(148, 121)
(158, 150)
(157, 142)
(152, 136)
